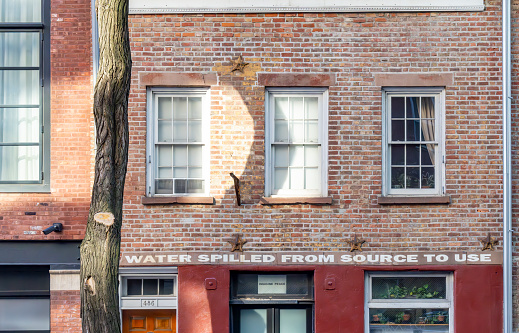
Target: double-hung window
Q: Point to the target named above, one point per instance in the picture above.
(24, 102)
(413, 150)
(177, 142)
(409, 302)
(296, 142)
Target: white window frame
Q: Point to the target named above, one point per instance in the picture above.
(322, 95)
(152, 122)
(447, 303)
(439, 163)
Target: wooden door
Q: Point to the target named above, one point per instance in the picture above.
(149, 321)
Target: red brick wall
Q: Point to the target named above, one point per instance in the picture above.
(353, 47)
(71, 135)
(65, 312)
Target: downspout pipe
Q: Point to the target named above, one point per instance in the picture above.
(507, 168)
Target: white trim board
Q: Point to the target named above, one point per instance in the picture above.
(265, 6)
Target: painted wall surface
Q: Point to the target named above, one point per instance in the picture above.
(478, 297)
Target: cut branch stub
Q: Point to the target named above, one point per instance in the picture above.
(105, 218)
(90, 285)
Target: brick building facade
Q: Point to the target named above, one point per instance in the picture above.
(341, 127)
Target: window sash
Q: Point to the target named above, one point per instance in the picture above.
(177, 149)
(420, 182)
(404, 303)
(23, 143)
(311, 122)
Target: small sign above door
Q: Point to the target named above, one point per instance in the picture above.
(272, 284)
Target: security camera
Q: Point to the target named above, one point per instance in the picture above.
(55, 227)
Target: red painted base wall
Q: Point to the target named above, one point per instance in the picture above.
(478, 297)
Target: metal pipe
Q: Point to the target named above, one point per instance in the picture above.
(507, 167)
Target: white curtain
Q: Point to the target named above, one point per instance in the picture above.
(427, 112)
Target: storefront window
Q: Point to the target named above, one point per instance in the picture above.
(272, 303)
(409, 303)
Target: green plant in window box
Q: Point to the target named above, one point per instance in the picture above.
(395, 292)
(423, 292)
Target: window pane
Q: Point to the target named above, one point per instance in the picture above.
(19, 163)
(413, 178)
(312, 178)
(427, 107)
(19, 49)
(165, 133)
(409, 287)
(24, 314)
(195, 156)
(180, 185)
(398, 130)
(281, 156)
(180, 131)
(292, 320)
(253, 320)
(297, 178)
(195, 186)
(166, 287)
(297, 155)
(195, 131)
(19, 87)
(311, 131)
(297, 131)
(134, 287)
(164, 186)
(281, 178)
(297, 110)
(397, 177)
(397, 107)
(427, 130)
(195, 108)
(311, 108)
(281, 131)
(180, 108)
(409, 320)
(412, 154)
(150, 287)
(281, 108)
(427, 154)
(397, 154)
(19, 125)
(412, 107)
(427, 177)
(165, 158)
(312, 156)
(413, 130)
(195, 173)
(164, 108)
(180, 155)
(20, 11)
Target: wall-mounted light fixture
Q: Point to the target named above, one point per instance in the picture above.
(55, 227)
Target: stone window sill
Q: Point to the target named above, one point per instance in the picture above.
(177, 200)
(270, 201)
(414, 200)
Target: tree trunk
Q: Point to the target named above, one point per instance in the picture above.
(101, 245)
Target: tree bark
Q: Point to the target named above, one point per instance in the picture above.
(101, 245)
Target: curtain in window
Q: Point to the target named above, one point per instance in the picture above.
(20, 11)
(427, 116)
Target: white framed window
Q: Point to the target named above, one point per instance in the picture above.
(296, 147)
(413, 141)
(178, 136)
(409, 302)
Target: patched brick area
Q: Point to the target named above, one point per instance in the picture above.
(24, 215)
(65, 312)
